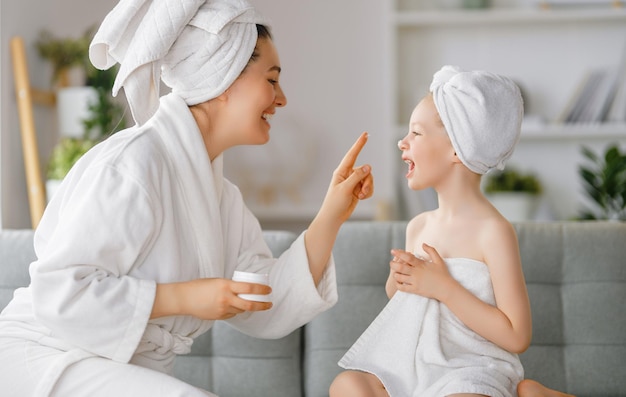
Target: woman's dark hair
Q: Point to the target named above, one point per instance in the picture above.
(263, 32)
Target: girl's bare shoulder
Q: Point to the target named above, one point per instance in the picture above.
(497, 226)
(416, 228)
(498, 237)
(418, 222)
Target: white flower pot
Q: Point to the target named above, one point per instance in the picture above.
(515, 206)
(52, 185)
(73, 107)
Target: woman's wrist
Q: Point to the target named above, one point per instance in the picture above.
(167, 301)
(327, 217)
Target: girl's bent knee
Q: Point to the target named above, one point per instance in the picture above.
(356, 384)
(345, 384)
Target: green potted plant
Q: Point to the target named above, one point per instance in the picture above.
(87, 113)
(64, 54)
(64, 156)
(604, 180)
(105, 116)
(73, 95)
(514, 193)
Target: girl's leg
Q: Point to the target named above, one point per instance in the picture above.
(357, 384)
(531, 388)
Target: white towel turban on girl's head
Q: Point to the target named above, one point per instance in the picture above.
(482, 113)
(200, 45)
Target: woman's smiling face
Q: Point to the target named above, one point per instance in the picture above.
(255, 95)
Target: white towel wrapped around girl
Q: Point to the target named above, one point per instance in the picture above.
(418, 347)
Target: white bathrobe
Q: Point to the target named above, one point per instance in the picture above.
(147, 206)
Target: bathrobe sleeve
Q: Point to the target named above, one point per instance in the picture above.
(296, 299)
(87, 245)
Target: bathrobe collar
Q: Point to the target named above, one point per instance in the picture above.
(200, 179)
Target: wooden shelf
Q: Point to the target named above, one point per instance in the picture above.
(505, 16)
(560, 132)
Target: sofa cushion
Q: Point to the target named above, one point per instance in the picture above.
(593, 294)
(362, 259)
(230, 363)
(576, 278)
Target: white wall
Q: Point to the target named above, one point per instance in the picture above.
(331, 53)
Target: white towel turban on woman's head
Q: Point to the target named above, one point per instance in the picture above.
(201, 46)
(482, 113)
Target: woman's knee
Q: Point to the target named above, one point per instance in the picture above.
(98, 376)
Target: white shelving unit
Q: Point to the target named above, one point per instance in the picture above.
(505, 16)
(579, 133)
(547, 52)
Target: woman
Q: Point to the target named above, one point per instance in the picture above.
(136, 251)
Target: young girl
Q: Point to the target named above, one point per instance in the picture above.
(136, 251)
(459, 311)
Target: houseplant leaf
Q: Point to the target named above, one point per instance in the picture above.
(604, 181)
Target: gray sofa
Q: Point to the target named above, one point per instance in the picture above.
(576, 275)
